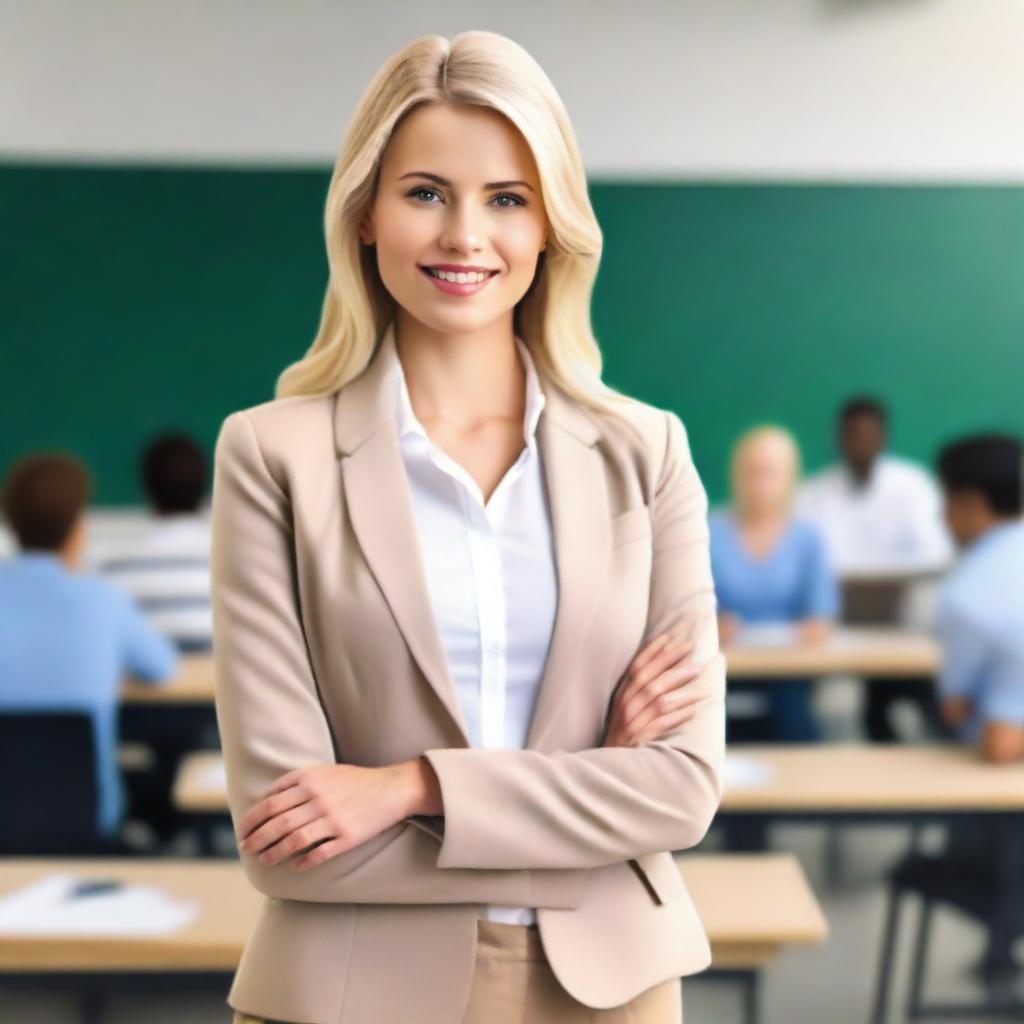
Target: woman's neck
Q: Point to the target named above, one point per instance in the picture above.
(461, 379)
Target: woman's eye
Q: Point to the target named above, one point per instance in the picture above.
(517, 201)
(416, 193)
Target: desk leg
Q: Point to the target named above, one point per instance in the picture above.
(751, 994)
(878, 1014)
(90, 1006)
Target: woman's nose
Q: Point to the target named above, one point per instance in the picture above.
(463, 230)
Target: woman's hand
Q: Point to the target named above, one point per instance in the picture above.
(329, 808)
(652, 701)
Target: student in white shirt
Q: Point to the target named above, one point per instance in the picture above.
(165, 566)
(880, 514)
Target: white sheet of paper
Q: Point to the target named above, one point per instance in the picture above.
(214, 777)
(766, 634)
(42, 908)
(745, 772)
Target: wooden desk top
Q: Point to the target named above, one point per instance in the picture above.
(839, 777)
(212, 942)
(751, 905)
(200, 786)
(192, 685)
(826, 777)
(862, 651)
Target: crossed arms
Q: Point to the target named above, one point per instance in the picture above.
(555, 815)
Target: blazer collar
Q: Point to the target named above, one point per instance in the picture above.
(380, 507)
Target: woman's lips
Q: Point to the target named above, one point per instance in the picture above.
(453, 288)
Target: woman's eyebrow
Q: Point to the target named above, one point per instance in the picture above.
(447, 184)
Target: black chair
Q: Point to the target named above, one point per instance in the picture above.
(988, 889)
(49, 796)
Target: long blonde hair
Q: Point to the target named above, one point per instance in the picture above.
(553, 318)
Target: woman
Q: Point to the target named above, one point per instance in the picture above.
(770, 567)
(447, 565)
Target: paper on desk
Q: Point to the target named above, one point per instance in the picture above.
(41, 908)
(741, 772)
(766, 634)
(213, 777)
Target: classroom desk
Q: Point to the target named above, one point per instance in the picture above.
(851, 778)
(193, 684)
(823, 778)
(752, 906)
(200, 786)
(850, 650)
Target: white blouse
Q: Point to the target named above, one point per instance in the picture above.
(491, 576)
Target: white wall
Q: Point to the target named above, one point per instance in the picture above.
(858, 89)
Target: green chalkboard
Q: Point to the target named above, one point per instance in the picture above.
(138, 299)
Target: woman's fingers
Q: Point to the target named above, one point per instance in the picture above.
(669, 702)
(670, 680)
(271, 806)
(288, 817)
(319, 853)
(648, 652)
(654, 666)
(298, 840)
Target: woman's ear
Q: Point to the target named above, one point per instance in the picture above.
(366, 231)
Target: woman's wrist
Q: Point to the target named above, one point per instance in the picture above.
(421, 788)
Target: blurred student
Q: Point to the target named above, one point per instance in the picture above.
(981, 629)
(770, 566)
(880, 515)
(981, 605)
(67, 640)
(165, 566)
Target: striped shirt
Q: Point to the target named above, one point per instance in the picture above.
(164, 565)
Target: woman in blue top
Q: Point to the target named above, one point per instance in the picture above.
(770, 567)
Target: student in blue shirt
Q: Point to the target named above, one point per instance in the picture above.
(67, 640)
(771, 567)
(981, 605)
(980, 623)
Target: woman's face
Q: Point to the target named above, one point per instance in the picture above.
(764, 475)
(458, 186)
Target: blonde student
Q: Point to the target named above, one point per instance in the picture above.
(468, 676)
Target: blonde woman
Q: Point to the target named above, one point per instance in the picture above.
(468, 678)
(770, 566)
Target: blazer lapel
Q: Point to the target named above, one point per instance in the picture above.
(578, 498)
(379, 501)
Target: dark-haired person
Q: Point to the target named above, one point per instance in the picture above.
(68, 639)
(880, 514)
(981, 605)
(981, 628)
(165, 566)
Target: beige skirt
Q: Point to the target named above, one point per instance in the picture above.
(513, 982)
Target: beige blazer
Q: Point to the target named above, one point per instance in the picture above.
(327, 651)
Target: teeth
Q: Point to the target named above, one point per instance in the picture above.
(449, 275)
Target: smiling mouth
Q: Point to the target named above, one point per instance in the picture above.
(473, 277)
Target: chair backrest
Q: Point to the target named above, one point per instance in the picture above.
(49, 796)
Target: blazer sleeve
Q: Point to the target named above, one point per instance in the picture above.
(587, 808)
(271, 720)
